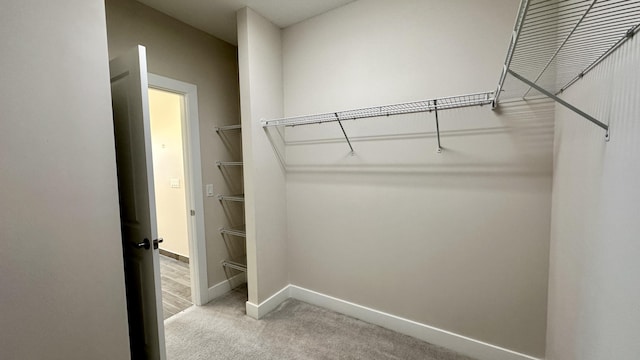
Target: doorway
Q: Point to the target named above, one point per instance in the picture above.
(177, 185)
(167, 116)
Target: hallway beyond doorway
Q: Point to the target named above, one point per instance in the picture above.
(176, 286)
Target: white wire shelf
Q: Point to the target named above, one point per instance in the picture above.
(234, 265)
(234, 232)
(228, 128)
(229, 163)
(556, 42)
(444, 103)
(236, 198)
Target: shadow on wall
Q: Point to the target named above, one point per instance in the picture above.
(515, 139)
(231, 174)
(278, 142)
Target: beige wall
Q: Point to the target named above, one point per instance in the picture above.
(260, 60)
(595, 272)
(166, 111)
(178, 51)
(457, 240)
(61, 273)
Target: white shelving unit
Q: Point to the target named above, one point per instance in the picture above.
(554, 44)
(431, 105)
(229, 233)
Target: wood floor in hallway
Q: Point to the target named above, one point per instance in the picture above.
(176, 286)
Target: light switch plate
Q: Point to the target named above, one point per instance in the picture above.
(210, 190)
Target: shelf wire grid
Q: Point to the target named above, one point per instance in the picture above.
(444, 103)
(228, 128)
(236, 198)
(556, 42)
(234, 265)
(234, 232)
(229, 163)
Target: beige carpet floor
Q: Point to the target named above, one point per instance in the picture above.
(295, 330)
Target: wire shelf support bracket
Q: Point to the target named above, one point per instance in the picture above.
(345, 134)
(439, 104)
(437, 125)
(562, 102)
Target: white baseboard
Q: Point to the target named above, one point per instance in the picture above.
(461, 344)
(265, 307)
(224, 287)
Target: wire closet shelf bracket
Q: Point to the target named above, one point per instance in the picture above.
(431, 105)
(555, 43)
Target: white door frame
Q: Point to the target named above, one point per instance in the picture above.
(193, 187)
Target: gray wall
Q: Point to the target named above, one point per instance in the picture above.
(61, 274)
(181, 52)
(260, 63)
(595, 272)
(457, 240)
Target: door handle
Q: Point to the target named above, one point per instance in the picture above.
(145, 244)
(156, 242)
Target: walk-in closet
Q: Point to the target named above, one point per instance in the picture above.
(357, 179)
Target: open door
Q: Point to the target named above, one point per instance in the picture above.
(137, 204)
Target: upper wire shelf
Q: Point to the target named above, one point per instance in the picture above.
(444, 103)
(434, 105)
(556, 42)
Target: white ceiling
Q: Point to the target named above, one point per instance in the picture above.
(218, 17)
